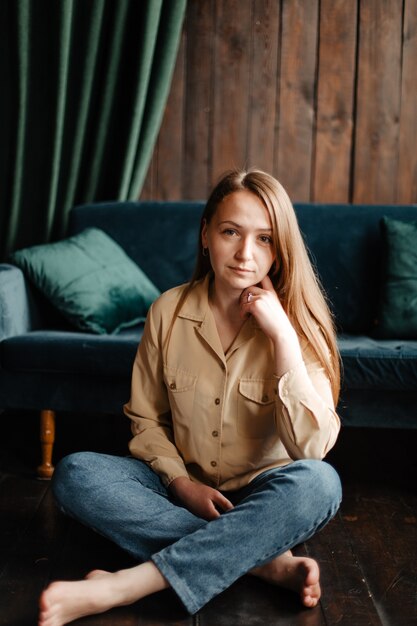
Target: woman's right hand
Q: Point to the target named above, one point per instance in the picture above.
(199, 499)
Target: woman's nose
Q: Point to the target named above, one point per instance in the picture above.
(245, 249)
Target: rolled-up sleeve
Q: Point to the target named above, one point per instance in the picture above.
(306, 418)
(149, 410)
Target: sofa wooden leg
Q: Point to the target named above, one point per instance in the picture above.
(47, 436)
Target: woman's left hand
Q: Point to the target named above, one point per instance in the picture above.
(263, 303)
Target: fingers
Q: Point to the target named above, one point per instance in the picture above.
(248, 295)
(266, 283)
(247, 299)
(215, 507)
(201, 500)
(222, 501)
(251, 293)
(211, 503)
(212, 512)
(217, 503)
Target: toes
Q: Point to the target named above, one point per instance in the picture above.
(96, 573)
(309, 602)
(310, 595)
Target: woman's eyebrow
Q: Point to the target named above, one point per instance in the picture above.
(266, 228)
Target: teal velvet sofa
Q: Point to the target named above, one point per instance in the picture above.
(47, 365)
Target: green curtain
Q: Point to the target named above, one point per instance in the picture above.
(84, 86)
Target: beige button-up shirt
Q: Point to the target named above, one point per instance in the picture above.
(218, 418)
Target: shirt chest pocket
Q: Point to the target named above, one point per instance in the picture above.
(181, 387)
(256, 408)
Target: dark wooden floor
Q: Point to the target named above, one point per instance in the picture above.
(367, 554)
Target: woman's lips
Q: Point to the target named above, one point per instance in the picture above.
(241, 270)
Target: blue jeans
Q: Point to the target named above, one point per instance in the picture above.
(124, 500)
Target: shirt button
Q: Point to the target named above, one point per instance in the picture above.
(173, 386)
(265, 398)
(213, 464)
(217, 401)
(215, 433)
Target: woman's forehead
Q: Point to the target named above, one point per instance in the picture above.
(243, 207)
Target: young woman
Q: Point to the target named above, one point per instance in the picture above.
(233, 400)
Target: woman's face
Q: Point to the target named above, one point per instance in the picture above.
(239, 239)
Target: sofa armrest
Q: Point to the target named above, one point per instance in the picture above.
(15, 305)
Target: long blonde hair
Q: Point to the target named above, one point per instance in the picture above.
(292, 274)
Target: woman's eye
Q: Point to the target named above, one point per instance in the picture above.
(229, 231)
(266, 239)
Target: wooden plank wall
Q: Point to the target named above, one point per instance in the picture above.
(321, 93)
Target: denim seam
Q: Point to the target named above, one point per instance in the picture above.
(180, 588)
(311, 531)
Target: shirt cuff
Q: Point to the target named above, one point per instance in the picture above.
(169, 469)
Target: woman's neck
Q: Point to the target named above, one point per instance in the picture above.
(226, 313)
(226, 304)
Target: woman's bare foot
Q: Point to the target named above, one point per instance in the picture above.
(96, 573)
(63, 602)
(298, 573)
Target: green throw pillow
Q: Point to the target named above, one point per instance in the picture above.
(90, 280)
(398, 310)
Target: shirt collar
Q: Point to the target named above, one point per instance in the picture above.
(196, 306)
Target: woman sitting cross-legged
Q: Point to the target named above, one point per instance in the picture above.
(234, 388)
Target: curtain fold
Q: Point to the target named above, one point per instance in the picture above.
(84, 90)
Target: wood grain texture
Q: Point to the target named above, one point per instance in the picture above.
(264, 83)
(335, 100)
(366, 554)
(346, 598)
(386, 551)
(232, 71)
(321, 93)
(378, 101)
(407, 171)
(297, 96)
(199, 100)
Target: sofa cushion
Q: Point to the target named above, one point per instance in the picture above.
(148, 231)
(90, 280)
(385, 408)
(398, 309)
(60, 352)
(345, 245)
(14, 302)
(378, 364)
(367, 363)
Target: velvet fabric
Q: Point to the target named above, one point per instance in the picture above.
(398, 308)
(382, 409)
(344, 242)
(374, 364)
(15, 310)
(34, 391)
(345, 245)
(22, 308)
(45, 364)
(89, 278)
(84, 88)
(160, 237)
(61, 352)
